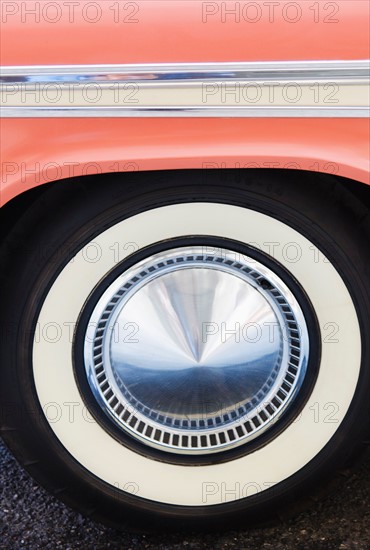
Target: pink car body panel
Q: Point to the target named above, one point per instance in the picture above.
(36, 151)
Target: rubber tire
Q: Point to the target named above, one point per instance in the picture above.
(70, 214)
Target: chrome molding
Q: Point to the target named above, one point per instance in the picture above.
(285, 70)
(273, 89)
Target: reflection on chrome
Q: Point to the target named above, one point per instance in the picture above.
(327, 71)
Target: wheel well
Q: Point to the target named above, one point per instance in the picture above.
(13, 210)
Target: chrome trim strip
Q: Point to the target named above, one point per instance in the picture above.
(178, 90)
(284, 70)
(183, 112)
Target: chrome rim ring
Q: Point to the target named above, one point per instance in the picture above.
(196, 352)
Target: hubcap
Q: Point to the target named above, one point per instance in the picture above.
(195, 352)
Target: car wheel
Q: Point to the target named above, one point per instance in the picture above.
(186, 349)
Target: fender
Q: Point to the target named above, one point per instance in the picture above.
(52, 150)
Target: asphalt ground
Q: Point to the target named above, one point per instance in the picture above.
(31, 519)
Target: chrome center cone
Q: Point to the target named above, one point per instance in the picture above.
(195, 352)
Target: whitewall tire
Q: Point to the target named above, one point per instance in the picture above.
(310, 261)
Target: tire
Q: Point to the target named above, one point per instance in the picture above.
(61, 262)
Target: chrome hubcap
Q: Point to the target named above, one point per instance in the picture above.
(196, 352)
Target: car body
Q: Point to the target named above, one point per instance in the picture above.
(151, 33)
(242, 127)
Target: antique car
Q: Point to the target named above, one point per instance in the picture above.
(185, 255)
